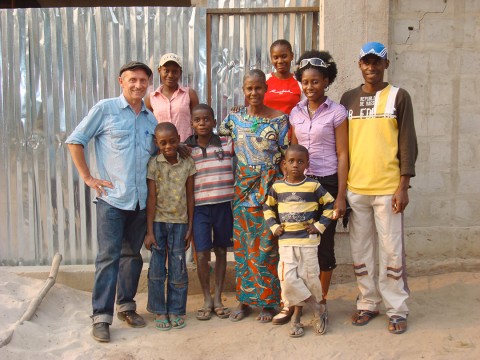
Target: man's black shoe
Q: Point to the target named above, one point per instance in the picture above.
(132, 318)
(100, 332)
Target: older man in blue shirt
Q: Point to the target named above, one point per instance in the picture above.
(123, 130)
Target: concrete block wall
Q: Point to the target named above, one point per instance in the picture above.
(434, 50)
(435, 54)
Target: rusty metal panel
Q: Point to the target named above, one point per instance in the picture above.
(54, 65)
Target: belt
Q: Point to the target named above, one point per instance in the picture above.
(320, 178)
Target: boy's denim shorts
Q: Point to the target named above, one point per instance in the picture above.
(216, 217)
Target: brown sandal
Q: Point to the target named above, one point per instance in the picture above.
(222, 312)
(397, 324)
(363, 317)
(296, 330)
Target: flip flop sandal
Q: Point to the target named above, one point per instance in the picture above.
(238, 315)
(178, 323)
(222, 312)
(163, 324)
(296, 330)
(397, 324)
(320, 324)
(204, 314)
(363, 317)
(325, 311)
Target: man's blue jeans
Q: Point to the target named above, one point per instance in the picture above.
(170, 239)
(120, 235)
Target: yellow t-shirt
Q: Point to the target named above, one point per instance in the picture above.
(382, 140)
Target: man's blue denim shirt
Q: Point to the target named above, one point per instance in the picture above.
(123, 146)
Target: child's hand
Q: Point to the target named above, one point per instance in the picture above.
(149, 241)
(184, 151)
(188, 239)
(235, 108)
(311, 229)
(280, 230)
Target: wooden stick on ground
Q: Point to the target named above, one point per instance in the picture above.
(35, 303)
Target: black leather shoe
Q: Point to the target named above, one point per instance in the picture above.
(132, 318)
(101, 332)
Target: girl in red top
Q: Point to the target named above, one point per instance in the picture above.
(284, 91)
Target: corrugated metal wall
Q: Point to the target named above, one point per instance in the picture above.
(241, 40)
(57, 63)
(54, 65)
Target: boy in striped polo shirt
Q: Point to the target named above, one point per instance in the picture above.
(213, 192)
(292, 212)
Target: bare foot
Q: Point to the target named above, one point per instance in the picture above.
(240, 312)
(266, 315)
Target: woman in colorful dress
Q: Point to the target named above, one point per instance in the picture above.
(259, 135)
(319, 124)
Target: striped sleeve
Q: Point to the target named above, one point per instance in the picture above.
(326, 200)
(270, 210)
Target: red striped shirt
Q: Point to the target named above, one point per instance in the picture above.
(214, 178)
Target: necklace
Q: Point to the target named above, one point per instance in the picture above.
(254, 126)
(310, 111)
(255, 122)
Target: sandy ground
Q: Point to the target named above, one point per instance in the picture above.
(444, 323)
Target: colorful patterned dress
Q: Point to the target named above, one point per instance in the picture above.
(258, 144)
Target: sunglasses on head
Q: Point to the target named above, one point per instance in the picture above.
(314, 62)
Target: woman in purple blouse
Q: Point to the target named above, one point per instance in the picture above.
(320, 125)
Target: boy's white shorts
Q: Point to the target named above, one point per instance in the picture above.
(298, 271)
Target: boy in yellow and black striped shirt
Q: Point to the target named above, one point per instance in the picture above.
(291, 210)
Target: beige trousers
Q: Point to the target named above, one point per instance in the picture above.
(372, 220)
(298, 271)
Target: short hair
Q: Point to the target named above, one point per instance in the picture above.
(281, 42)
(297, 148)
(329, 72)
(164, 127)
(135, 65)
(204, 107)
(255, 73)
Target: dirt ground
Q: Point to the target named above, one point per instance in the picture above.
(444, 323)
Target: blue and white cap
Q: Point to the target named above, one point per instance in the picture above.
(373, 48)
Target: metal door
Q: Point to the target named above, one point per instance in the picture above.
(240, 39)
